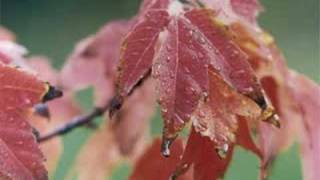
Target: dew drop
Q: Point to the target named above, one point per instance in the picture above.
(27, 101)
(202, 114)
(19, 143)
(164, 110)
(205, 96)
(202, 40)
(191, 32)
(222, 151)
(165, 146)
(237, 74)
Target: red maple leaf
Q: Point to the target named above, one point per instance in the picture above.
(202, 75)
(20, 155)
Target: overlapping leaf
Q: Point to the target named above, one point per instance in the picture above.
(20, 155)
(153, 166)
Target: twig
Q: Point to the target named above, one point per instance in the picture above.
(74, 123)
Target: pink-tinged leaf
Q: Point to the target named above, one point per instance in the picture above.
(44, 70)
(94, 60)
(97, 158)
(6, 35)
(147, 5)
(138, 50)
(13, 54)
(131, 124)
(151, 165)
(231, 11)
(4, 58)
(307, 95)
(20, 155)
(249, 9)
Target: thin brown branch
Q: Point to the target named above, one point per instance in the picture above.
(74, 123)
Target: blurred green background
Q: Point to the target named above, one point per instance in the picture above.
(52, 27)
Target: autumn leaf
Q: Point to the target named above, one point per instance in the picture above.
(138, 50)
(153, 166)
(93, 62)
(199, 58)
(20, 155)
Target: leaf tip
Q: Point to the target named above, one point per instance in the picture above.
(222, 151)
(52, 93)
(270, 116)
(115, 105)
(165, 146)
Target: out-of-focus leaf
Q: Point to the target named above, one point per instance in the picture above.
(131, 123)
(307, 95)
(6, 35)
(98, 156)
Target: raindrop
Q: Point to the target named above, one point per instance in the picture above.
(202, 40)
(202, 114)
(205, 96)
(27, 101)
(222, 151)
(165, 146)
(191, 32)
(237, 74)
(248, 89)
(164, 110)
(19, 143)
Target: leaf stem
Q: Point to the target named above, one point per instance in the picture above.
(74, 123)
